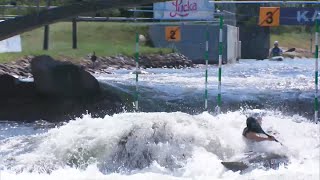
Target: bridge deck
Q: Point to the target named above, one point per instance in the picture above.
(21, 24)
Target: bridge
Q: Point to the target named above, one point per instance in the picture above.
(21, 24)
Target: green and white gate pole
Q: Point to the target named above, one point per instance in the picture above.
(316, 102)
(136, 55)
(218, 108)
(206, 74)
(137, 72)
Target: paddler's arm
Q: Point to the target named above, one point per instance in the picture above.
(270, 54)
(255, 137)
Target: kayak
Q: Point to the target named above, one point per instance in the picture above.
(276, 58)
(264, 161)
(139, 72)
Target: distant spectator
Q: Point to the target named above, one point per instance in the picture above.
(93, 59)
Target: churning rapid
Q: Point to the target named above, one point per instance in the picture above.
(287, 86)
(175, 145)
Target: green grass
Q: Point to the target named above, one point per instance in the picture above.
(293, 39)
(105, 38)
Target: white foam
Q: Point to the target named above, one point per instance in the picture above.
(204, 141)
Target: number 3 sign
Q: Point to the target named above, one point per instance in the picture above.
(269, 16)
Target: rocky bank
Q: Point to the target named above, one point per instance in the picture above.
(22, 67)
(62, 90)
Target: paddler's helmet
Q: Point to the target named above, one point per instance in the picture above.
(253, 125)
(276, 43)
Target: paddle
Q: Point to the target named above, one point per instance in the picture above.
(256, 126)
(271, 136)
(290, 50)
(274, 138)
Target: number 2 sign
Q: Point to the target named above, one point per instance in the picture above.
(269, 16)
(173, 33)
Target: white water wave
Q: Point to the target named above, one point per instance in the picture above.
(159, 146)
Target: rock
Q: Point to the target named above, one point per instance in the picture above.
(21, 101)
(53, 77)
(62, 91)
(8, 84)
(23, 104)
(20, 68)
(172, 60)
(142, 39)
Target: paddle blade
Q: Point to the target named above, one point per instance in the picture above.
(235, 166)
(291, 50)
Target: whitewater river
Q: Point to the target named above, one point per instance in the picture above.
(173, 138)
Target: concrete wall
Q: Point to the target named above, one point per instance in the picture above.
(233, 46)
(12, 44)
(193, 38)
(255, 42)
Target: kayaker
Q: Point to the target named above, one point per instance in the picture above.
(254, 132)
(276, 51)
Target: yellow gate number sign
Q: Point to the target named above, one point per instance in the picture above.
(173, 33)
(269, 16)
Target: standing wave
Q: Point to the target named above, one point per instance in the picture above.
(158, 146)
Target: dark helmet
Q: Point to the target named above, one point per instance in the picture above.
(254, 126)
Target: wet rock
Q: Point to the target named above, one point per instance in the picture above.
(172, 60)
(53, 77)
(8, 84)
(20, 68)
(20, 101)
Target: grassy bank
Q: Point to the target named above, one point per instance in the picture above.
(105, 39)
(297, 40)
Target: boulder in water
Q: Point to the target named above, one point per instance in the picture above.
(59, 78)
(8, 83)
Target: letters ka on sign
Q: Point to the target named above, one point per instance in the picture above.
(184, 9)
(269, 16)
(299, 16)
